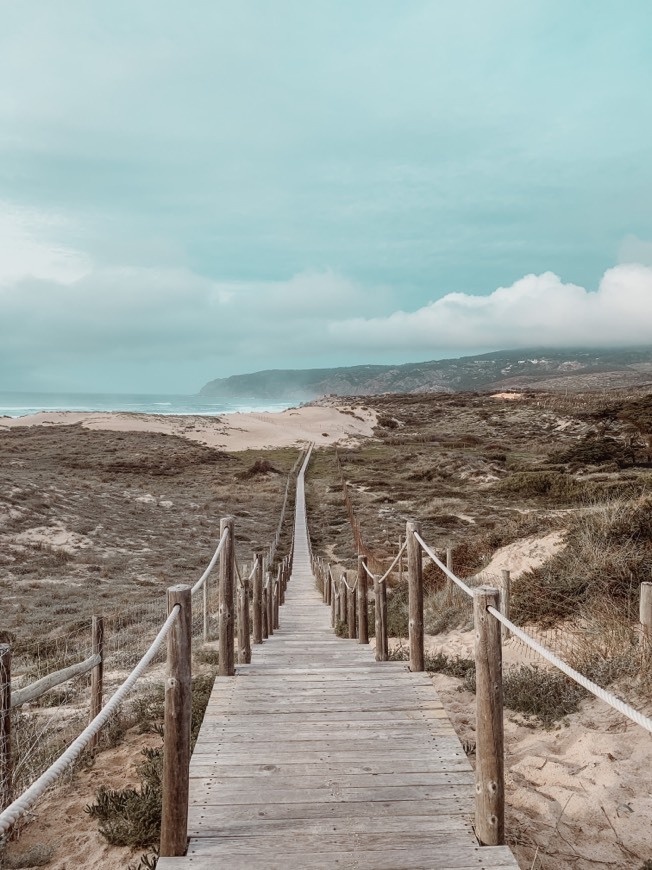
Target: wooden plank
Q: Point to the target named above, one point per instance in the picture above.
(316, 756)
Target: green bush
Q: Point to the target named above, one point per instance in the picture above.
(553, 485)
(132, 816)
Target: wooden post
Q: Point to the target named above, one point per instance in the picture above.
(244, 626)
(269, 586)
(6, 763)
(97, 674)
(363, 618)
(328, 584)
(176, 731)
(645, 610)
(447, 580)
(257, 599)
(277, 598)
(333, 595)
(400, 559)
(351, 607)
(226, 664)
(380, 624)
(383, 620)
(489, 768)
(264, 612)
(415, 583)
(505, 595)
(205, 609)
(344, 602)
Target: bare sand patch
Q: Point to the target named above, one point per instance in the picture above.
(522, 555)
(232, 432)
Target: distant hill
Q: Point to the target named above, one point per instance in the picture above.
(568, 369)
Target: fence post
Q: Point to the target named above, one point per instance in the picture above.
(380, 601)
(505, 596)
(97, 674)
(447, 580)
(344, 601)
(257, 598)
(363, 619)
(264, 612)
(415, 582)
(226, 664)
(6, 764)
(176, 732)
(400, 559)
(351, 607)
(244, 625)
(277, 598)
(489, 768)
(333, 597)
(645, 610)
(269, 601)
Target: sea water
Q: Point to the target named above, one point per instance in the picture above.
(15, 404)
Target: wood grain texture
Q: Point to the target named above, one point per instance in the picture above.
(317, 756)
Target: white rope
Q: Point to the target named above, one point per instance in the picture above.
(580, 679)
(198, 585)
(443, 567)
(391, 567)
(373, 577)
(253, 571)
(16, 809)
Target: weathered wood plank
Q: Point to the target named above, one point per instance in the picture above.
(317, 756)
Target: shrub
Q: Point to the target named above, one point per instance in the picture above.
(543, 484)
(132, 816)
(608, 555)
(37, 855)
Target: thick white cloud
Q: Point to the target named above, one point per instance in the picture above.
(537, 310)
(65, 317)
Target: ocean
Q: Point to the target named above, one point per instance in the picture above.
(15, 404)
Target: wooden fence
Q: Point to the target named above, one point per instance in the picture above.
(347, 593)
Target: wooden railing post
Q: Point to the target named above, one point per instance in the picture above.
(257, 598)
(277, 598)
(505, 596)
(226, 665)
(415, 583)
(400, 559)
(6, 763)
(645, 610)
(380, 599)
(447, 580)
(344, 602)
(363, 617)
(244, 625)
(97, 674)
(264, 612)
(489, 768)
(269, 601)
(176, 732)
(333, 595)
(351, 607)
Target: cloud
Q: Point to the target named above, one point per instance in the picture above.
(537, 310)
(26, 248)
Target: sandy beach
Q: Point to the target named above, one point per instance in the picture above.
(325, 425)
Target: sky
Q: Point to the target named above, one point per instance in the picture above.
(193, 190)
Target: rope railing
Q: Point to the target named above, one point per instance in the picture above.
(596, 690)
(29, 797)
(491, 621)
(462, 585)
(173, 836)
(216, 555)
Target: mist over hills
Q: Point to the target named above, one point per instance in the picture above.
(569, 369)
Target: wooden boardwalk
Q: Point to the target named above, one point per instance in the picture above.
(317, 756)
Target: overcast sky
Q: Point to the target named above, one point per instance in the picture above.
(192, 190)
